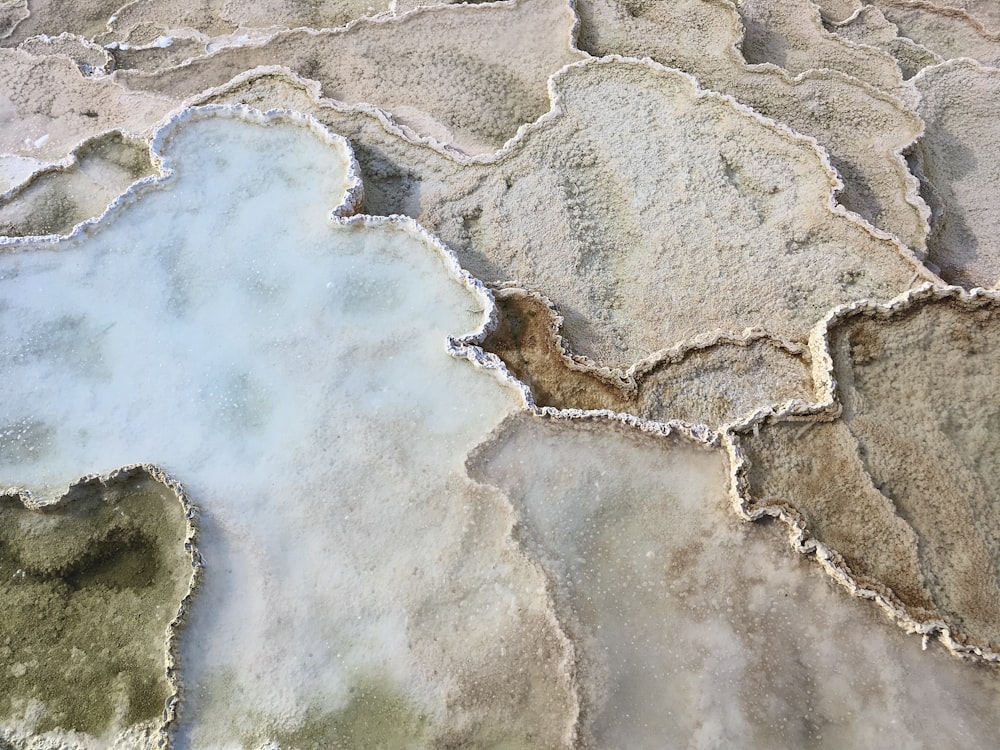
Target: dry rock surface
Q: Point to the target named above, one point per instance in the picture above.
(500, 345)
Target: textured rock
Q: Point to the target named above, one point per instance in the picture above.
(947, 32)
(864, 130)
(611, 245)
(870, 26)
(53, 17)
(48, 107)
(671, 214)
(960, 158)
(467, 76)
(896, 491)
(712, 384)
(695, 630)
(790, 34)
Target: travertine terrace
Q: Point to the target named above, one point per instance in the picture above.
(571, 374)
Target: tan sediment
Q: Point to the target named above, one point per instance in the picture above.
(869, 26)
(97, 588)
(946, 31)
(59, 198)
(467, 76)
(790, 34)
(54, 17)
(696, 630)
(714, 383)
(50, 107)
(90, 58)
(958, 156)
(864, 130)
(526, 339)
(889, 479)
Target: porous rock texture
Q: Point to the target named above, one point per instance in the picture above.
(960, 102)
(948, 32)
(899, 485)
(864, 130)
(869, 26)
(670, 212)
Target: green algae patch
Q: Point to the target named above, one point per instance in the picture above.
(94, 588)
(376, 715)
(58, 198)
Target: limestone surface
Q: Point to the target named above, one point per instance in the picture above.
(48, 107)
(713, 384)
(960, 102)
(790, 34)
(467, 76)
(948, 32)
(869, 26)
(672, 214)
(697, 630)
(863, 129)
(895, 489)
(90, 58)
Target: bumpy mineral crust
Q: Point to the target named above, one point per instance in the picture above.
(713, 384)
(960, 158)
(892, 481)
(869, 26)
(669, 212)
(694, 629)
(96, 587)
(790, 34)
(863, 129)
(467, 76)
(948, 32)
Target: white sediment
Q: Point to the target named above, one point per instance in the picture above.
(696, 630)
(291, 368)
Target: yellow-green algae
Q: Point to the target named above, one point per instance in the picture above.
(56, 199)
(94, 588)
(375, 717)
